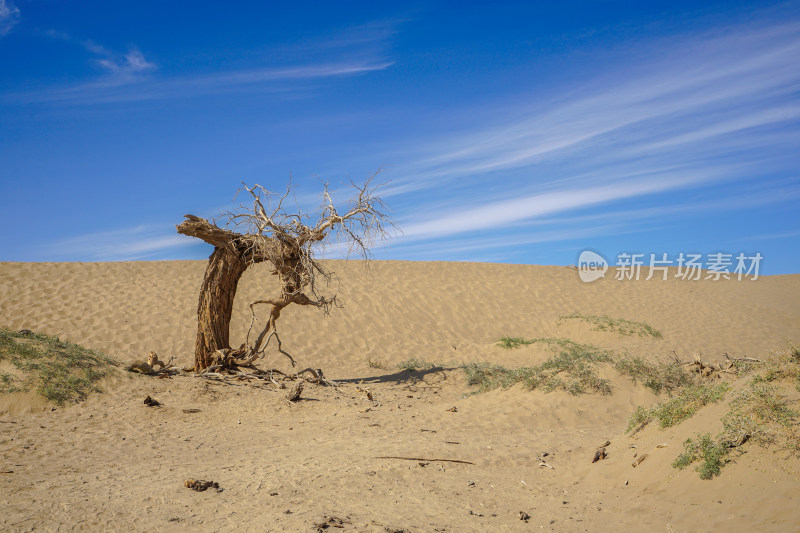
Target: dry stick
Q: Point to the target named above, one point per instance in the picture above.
(270, 327)
(423, 459)
(747, 359)
(294, 394)
(320, 378)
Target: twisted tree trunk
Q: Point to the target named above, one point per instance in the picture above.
(233, 253)
(215, 306)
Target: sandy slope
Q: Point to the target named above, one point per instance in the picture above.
(113, 463)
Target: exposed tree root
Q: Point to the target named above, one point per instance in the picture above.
(149, 368)
(709, 370)
(227, 368)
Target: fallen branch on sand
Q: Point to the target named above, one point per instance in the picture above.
(599, 455)
(294, 394)
(706, 369)
(201, 485)
(219, 372)
(150, 402)
(423, 459)
(149, 368)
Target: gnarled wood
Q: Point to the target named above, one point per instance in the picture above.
(283, 240)
(215, 306)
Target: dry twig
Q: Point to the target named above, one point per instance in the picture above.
(287, 241)
(423, 459)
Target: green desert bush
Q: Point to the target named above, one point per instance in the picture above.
(784, 366)
(377, 363)
(414, 363)
(573, 368)
(58, 370)
(680, 407)
(8, 383)
(657, 376)
(710, 452)
(621, 326)
(759, 413)
(514, 342)
(743, 368)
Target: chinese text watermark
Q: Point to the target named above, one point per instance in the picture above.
(690, 266)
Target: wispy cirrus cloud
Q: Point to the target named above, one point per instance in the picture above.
(127, 77)
(697, 92)
(9, 16)
(506, 228)
(118, 68)
(111, 90)
(145, 241)
(513, 211)
(131, 63)
(705, 113)
(782, 235)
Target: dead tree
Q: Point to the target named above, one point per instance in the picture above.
(287, 241)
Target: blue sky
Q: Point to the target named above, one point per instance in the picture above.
(508, 132)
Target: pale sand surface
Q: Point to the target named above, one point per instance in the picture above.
(111, 463)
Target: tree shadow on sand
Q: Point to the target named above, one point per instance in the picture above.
(423, 376)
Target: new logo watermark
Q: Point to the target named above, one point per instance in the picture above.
(690, 266)
(591, 266)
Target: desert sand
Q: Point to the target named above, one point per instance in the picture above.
(112, 463)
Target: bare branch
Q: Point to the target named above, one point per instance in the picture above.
(287, 242)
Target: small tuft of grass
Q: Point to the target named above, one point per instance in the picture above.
(488, 377)
(794, 353)
(58, 370)
(621, 326)
(743, 368)
(573, 368)
(377, 363)
(413, 364)
(514, 342)
(784, 366)
(710, 452)
(656, 376)
(553, 342)
(678, 408)
(8, 383)
(759, 414)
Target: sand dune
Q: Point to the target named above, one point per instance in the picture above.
(113, 463)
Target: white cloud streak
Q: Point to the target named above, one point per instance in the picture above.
(132, 63)
(127, 88)
(129, 244)
(704, 111)
(704, 81)
(509, 212)
(9, 16)
(564, 224)
(127, 79)
(119, 69)
(706, 114)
